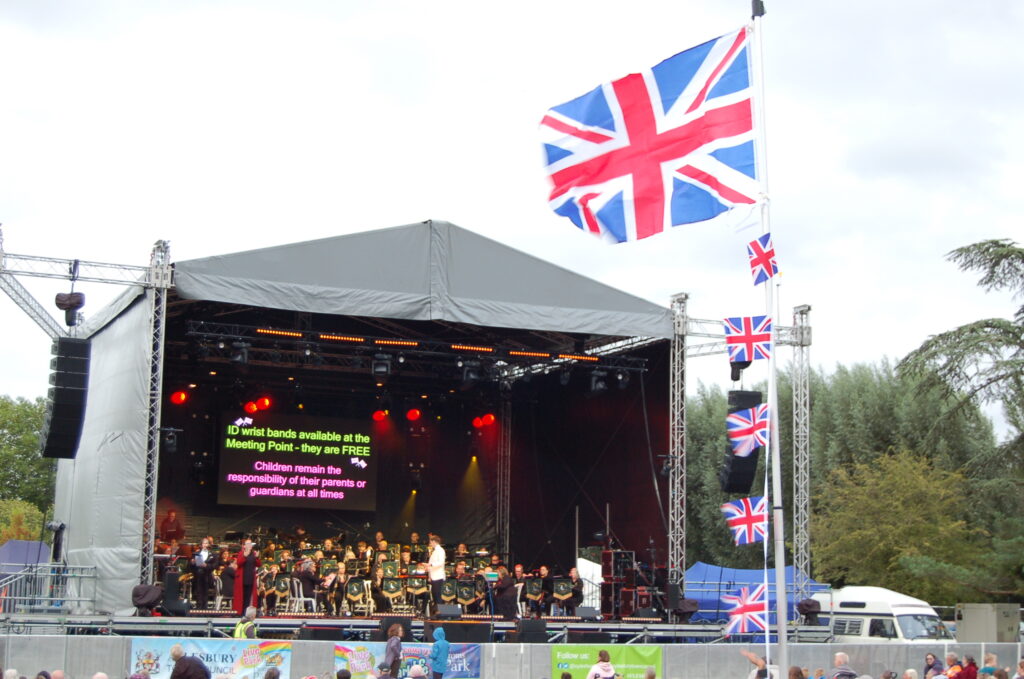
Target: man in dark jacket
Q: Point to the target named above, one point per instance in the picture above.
(842, 668)
(187, 667)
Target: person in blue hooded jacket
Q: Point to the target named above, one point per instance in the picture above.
(438, 657)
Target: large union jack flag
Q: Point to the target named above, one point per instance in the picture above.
(672, 145)
(748, 338)
(749, 611)
(747, 429)
(747, 518)
(762, 258)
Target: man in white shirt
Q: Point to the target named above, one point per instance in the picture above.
(435, 569)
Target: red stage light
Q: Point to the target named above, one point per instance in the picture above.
(263, 402)
(179, 397)
(413, 414)
(488, 419)
(250, 408)
(379, 415)
(477, 422)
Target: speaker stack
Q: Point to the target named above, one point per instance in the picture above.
(65, 409)
(737, 473)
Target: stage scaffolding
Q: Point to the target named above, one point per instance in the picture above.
(799, 336)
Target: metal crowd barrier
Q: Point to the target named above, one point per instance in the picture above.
(47, 588)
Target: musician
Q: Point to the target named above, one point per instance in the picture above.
(542, 606)
(268, 591)
(570, 604)
(269, 552)
(496, 561)
(461, 551)
(329, 550)
(382, 552)
(308, 579)
(505, 594)
(380, 602)
(287, 561)
(435, 569)
(202, 564)
(417, 549)
(226, 569)
(245, 586)
(363, 553)
(171, 528)
(327, 594)
(519, 575)
(405, 564)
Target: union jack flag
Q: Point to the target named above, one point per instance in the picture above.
(762, 258)
(749, 611)
(672, 145)
(748, 338)
(747, 518)
(747, 429)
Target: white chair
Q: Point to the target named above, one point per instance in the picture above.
(219, 600)
(520, 605)
(297, 602)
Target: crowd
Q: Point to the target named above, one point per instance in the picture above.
(953, 668)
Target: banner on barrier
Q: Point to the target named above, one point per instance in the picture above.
(629, 661)
(361, 658)
(237, 658)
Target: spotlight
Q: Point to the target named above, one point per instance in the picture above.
(413, 414)
(70, 303)
(381, 366)
(263, 403)
(240, 352)
(379, 415)
(564, 377)
(598, 381)
(478, 422)
(487, 419)
(471, 371)
(622, 379)
(251, 407)
(169, 441)
(179, 397)
(737, 367)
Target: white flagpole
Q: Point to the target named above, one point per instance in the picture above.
(773, 449)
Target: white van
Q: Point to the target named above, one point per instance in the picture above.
(871, 615)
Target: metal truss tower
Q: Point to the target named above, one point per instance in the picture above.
(677, 444)
(156, 278)
(504, 476)
(801, 451)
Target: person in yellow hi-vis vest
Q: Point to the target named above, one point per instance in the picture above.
(246, 627)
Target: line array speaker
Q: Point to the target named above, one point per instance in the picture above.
(65, 408)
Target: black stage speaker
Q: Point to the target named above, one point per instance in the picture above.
(738, 473)
(588, 613)
(448, 612)
(583, 637)
(320, 633)
(646, 613)
(405, 622)
(673, 595)
(461, 632)
(532, 631)
(173, 603)
(65, 408)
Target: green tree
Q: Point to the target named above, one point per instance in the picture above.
(20, 520)
(873, 519)
(24, 475)
(982, 361)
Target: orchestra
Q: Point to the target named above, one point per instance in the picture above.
(333, 577)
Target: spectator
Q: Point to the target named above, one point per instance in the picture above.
(343, 674)
(1000, 673)
(57, 674)
(649, 673)
(246, 627)
(910, 673)
(953, 666)
(100, 675)
(991, 662)
(1020, 670)
(841, 667)
(43, 674)
(10, 674)
(438, 659)
(566, 675)
(931, 663)
(795, 672)
(393, 649)
(970, 668)
(417, 671)
(602, 669)
(761, 668)
(185, 667)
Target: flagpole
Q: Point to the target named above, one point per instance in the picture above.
(773, 449)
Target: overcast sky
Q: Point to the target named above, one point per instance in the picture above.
(894, 134)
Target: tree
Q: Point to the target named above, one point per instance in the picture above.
(20, 520)
(24, 475)
(874, 519)
(981, 361)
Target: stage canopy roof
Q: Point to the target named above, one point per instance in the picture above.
(430, 271)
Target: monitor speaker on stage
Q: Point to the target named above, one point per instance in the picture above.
(738, 472)
(320, 633)
(588, 613)
(585, 637)
(449, 612)
(460, 632)
(65, 408)
(532, 631)
(405, 622)
(173, 603)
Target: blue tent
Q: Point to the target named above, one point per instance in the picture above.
(15, 555)
(707, 583)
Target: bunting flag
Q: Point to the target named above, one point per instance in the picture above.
(748, 429)
(749, 612)
(762, 258)
(747, 518)
(748, 338)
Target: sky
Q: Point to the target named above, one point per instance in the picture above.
(893, 135)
